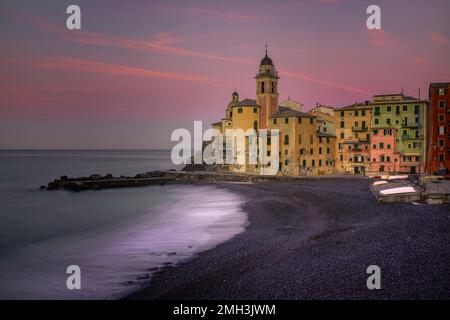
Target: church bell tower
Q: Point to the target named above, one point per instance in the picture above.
(266, 90)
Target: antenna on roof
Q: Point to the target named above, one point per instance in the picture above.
(266, 48)
(402, 90)
(419, 93)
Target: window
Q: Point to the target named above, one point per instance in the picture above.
(416, 109)
(299, 139)
(320, 139)
(286, 120)
(286, 152)
(381, 158)
(342, 113)
(441, 157)
(311, 151)
(441, 142)
(388, 132)
(313, 163)
(262, 87)
(375, 132)
(286, 162)
(388, 146)
(397, 109)
(356, 135)
(388, 121)
(441, 117)
(299, 120)
(255, 110)
(328, 150)
(340, 145)
(274, 121)
(441, 130)
(377, 111)
(268, 153)
(442, 104)
(376, 121)
(441, 91)
(363, 125)
(356, 124)
(311, 139)
(405, 108)
(381, 145)
(342, 124)
(388, 109)
(341, 157)
(320, 150)
(273, 87)
(240, 110)
(311, 120)
(356, 113)
(342, 135)
(388, 159)
(363, 113)
(374, 146)
(304, 163)
(286, 139)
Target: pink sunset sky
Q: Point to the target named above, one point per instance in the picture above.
(139, 69)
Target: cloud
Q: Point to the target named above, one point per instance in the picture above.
(90, 66)
(438, 38)
(296, 75)
(378, 38)
(211, 14)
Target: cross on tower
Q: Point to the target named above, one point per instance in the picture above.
(266, 48)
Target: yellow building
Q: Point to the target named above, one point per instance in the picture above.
(303, 148)
(353, 138)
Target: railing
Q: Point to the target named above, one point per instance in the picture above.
(358, 129)
(415, 125)
(408, 137)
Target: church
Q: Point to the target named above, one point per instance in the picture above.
(304, 149)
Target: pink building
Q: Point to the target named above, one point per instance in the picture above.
(382, 151)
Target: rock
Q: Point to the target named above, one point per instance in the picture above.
(172, 254)
(63, 178)
(42, 187)
(109, 176)
(143, 276)
(95, 176)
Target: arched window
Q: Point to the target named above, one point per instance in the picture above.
(262, 87)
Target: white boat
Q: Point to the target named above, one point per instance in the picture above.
(398, 190)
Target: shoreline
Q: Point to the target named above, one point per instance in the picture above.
(313, 239)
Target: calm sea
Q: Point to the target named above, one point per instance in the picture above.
(117, 237)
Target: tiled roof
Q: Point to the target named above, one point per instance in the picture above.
(324, 134)
(284, 112)
(248, 103)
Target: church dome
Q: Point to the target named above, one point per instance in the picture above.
(266, 61)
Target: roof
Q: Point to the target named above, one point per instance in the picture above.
(284, 112)
(355, 106)
(323, 134)
(248, 103)
(266, 61)
(439, 84)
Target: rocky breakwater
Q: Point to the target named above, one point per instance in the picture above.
(97, 181)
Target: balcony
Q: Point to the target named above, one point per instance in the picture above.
(410, 125)
(408, 137)
(358, 129)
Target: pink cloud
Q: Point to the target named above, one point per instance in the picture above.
(74, 64)
(378, 38)
(211, 14)
(438, 38)
(296, 75)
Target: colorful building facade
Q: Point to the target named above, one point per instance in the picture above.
(438, 133)
(398, 129)
(353, 138)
